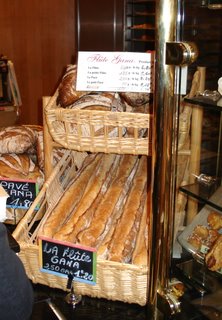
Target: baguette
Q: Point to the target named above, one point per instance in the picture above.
(125, 224)
(94, 186)
(103, 214)
(140, 253)
(104, 240)
(71, 197)
(85, 219)
(132, 236)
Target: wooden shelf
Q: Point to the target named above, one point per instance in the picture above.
(140, 19)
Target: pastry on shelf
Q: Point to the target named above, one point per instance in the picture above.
(213, 258)
(142, 26)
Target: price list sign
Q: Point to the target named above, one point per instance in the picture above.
(66, 259)
(115, 71)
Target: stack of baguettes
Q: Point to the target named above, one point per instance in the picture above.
(105, 207)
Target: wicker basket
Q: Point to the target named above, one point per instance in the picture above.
(77, 129)
(115, 281)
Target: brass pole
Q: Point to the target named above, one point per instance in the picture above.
(164, 153)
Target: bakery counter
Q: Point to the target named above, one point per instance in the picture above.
(196, 304)
(50, 304)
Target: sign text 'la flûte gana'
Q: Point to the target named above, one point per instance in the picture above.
(21, 193)
(65, 259)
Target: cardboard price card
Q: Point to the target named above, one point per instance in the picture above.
(21, 193)
(65, 259)
(115, 71)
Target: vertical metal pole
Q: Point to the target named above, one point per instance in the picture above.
(164, 153)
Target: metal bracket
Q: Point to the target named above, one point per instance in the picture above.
(181, 53)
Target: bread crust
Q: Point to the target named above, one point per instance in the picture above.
(127, 220)
(213, 257)
(20, 166)
(70, 198)
(67, 231)
(16, 139)
(103, 214)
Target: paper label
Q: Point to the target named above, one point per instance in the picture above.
(114, 71)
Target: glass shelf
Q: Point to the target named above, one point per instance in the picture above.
(141, 40)
(206, 102)
(204, 194)
(140, 1)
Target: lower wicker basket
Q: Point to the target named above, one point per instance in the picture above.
(115, 281)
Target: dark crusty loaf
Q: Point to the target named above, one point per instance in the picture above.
(67, 93)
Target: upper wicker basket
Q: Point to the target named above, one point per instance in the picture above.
(99, 131)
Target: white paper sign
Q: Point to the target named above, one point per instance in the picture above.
(3, 199)
(114, 71)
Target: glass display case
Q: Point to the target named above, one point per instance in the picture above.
(187, 155)
(200, 237)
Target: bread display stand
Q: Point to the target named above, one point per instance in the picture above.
(115, 281)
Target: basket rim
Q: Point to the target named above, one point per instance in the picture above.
(142, 269)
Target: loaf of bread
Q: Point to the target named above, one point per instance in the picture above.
(140, 253)
(131, 238)
(135, 99)
(208, 240)
(202, 236)
(86, 219)
(214, 220)
(71, 197)
(40, 150)
(97, 101)
(20, 166)
(16, 139)
(67, 93)
(105, 101)
(103, 217)
(126, 228)
(107, 188)
(105, 207)
(77, 219)
(213, 257)
(141, 250)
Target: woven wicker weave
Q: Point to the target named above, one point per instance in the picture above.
(99, 131)
(115, 281)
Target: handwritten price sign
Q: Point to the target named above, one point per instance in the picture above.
(115, 71)
(21, 193)
(64, 259)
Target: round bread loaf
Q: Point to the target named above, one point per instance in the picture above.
(20, 166)
(16, 139)
(67, 93)
(135, 99)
